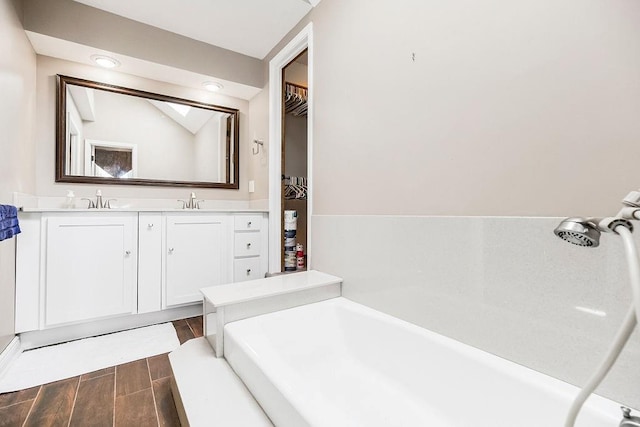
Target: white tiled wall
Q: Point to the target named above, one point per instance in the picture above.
(506, 285)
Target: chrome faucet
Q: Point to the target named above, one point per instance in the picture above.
(98, 204)
(192, 203)
(627, 419)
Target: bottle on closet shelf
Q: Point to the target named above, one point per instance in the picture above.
(70, 201)
(300, 257)
(290, 226)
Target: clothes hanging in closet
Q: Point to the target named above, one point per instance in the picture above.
(295, 99)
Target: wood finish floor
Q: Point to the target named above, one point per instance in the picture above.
(132, 394)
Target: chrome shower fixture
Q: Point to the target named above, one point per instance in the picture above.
(578, 231)
(586, 231)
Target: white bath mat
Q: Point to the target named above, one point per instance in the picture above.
(57, 362)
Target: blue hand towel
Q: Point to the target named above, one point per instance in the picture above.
(9, 225)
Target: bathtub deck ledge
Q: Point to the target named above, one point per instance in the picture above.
(236, 301)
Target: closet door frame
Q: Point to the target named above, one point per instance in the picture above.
(302, 41)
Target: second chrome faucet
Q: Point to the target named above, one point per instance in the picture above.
(192, 203)
(98, 204)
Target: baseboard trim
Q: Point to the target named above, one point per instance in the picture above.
(35, 339)
(9, 354)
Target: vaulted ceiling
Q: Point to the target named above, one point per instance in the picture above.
(250, 27)
(177, 41)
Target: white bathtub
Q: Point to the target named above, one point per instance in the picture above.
(339, 363)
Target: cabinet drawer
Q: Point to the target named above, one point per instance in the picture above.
(247, 222)
(246, 244)
(246, 269)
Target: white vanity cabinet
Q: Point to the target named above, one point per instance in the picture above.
(96, 271)
(90, 270)
(195, 253)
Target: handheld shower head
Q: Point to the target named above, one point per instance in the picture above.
(579, 231)
(586, 231)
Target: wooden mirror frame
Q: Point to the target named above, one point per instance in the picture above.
(61, 129)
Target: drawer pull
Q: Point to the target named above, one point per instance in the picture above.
(249, 224)
(248, 245)
(127, 253)
(150, 225)
(170, 250)
(248, 271)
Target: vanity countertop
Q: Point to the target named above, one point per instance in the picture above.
(173, 210)
(46, 204)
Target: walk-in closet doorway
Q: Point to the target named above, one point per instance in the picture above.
(294, 163)
(290, 154)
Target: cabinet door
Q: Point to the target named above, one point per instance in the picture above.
(90, 267)
(196, 250)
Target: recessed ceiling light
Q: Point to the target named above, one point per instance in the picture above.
(212, 86)
(105, 61)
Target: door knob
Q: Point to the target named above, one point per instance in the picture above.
(127, 253)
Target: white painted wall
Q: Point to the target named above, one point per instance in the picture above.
(17, 115)
(45, 133)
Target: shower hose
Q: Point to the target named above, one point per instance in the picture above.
(623, 334)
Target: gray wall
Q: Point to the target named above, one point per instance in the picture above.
(259, 129)
(295, 127)
(17, 115)
(295, 135)
(527, 107)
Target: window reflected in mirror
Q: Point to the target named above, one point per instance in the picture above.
(112, 162)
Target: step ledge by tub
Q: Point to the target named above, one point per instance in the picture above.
(228, 303)
(207, 391)
(220, 296)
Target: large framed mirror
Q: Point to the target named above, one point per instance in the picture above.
(108, 134)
